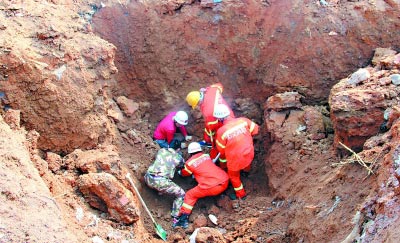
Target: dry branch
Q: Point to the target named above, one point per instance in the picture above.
(356, 158)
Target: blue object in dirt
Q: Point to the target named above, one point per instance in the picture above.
(204, 143)
(217, 1)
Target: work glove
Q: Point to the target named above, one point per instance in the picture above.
(183, 145)
(188, 138)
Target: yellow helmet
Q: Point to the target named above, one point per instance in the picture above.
(193, 98)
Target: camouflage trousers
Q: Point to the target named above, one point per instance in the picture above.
(166, 186)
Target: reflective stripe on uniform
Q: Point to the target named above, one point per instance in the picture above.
(252, 126)
(212, 122)
(220, 144)
(218, 87)
(191, 162)
(222, 160)
(233, 129)
(187, 170)
(238, 188)
(209, 133)
(187, 206)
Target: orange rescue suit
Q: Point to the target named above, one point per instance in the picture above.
(211, 180)
(235, 144)
(211, 97)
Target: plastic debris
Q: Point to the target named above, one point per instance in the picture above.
(335, 204)
(213, 219)
(301, 128)
(323, 2)
(386, 114)
(79, 214)
(192, 238)
(58, 72)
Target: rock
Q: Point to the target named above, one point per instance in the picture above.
(207, 234)
(395, 78)
(13, 118)
(214, 210)
(129, 107)
(393, 115)
(98, 160)
(200, 221)
(283, 101)
(79, 214)
(172, 5)
(359, 76)
(315, 122)
(356, 115)
(357, 112)
(225, 203)
(97, 239)
(104, 192)
(114, 112)
(54, 161)
(381, 54)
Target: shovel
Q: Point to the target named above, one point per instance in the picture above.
(159, 230)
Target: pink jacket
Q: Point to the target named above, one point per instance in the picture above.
(166, 128)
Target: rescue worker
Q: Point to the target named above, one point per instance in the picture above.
(159, 177)
(165, 133)
(208, 98)
(235, 144)
(211, 180)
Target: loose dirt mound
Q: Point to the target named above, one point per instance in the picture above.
(73, 126)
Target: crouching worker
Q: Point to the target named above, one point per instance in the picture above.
(165, 134)
(235, 144)
(160, 173)
(211, 180)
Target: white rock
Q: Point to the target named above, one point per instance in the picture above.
(361, 75)
(395, 79)
(79, 214)
(97, 239)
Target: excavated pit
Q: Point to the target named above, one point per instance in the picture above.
(256, 50)
(94, 79)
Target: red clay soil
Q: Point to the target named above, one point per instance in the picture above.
(65, 65)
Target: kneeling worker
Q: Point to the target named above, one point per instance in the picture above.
(211, 179)
(159, 177)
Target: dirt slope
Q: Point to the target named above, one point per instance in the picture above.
(66, 65)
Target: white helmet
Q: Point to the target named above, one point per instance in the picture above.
(194, 147)
(221, 111)
(181, 117)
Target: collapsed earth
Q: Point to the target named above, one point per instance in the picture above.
(268, 121)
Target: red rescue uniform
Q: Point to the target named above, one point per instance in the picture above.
(235, 144)
(211, 180)
(211, 97)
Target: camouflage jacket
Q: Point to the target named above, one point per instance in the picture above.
(165, 163)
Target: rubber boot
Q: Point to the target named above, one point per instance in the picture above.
(175, 222)
(184, 221)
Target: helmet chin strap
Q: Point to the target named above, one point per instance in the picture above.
(201, 96)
